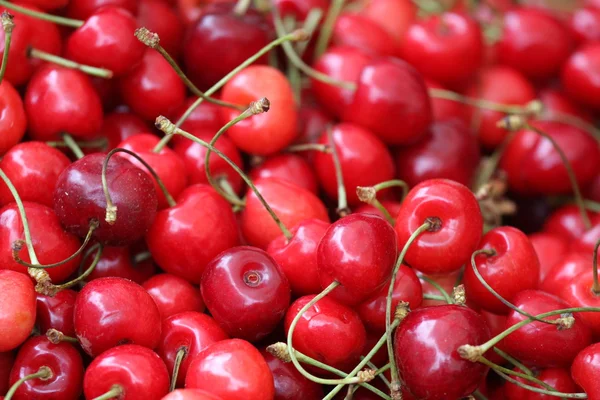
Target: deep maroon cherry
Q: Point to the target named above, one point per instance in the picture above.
(56, 312)
(585, 370)
(161, 18)
(580, 75)
(120, 262)
(173, 295)
(17, 309)
(355, 30)
(289, 383)
(550, 249)
(290, 167)
(82, 9)
(6, 362)
(119, 308)
(566, 222)
(13, 120)
(558, 378)
(120, 125)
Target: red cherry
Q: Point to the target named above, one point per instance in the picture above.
(584, 24)
(290, 384)
(556, 104)
(12, 117)
(33, 168)
(190, 394)
(550, 250)
(312, 122)
(580, 75)
(161, 18)
(49, 4)
(82, 9)
(56, 312)
(121, 309)
(173, 295)
(585, 370)
(64, 362)
(138, 371)
(570, 266)
(566, 222)
(120, 262)
(592, 192)
(359, 31)
(231, 369)
(329, 332)
(585, 243)
(290, 167)
(205, 117)
(558, 378)
(392, 206)
(443, 109)
(61, 100)
(438, 372)
(17, 309)
(79, 198)
(578, 293)
(246, 292)
(300, 9)
(6, 362)
(445, 281)
(120, 125)
(365, 160)
(395, 16)
(184, 238)
(448, 247)
(392, 101)
(191, 331)
(513, 268)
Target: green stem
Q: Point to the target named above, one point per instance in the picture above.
(427, 296)
(63, 62)
(386, 214)
(73, 23)
(100, 143)
(55, 336)
(7, 25)
(311, 23)
(392, 183)
(507, 371)
(241, 7)
(513, 361)
(296, 148)
(342, 208)
(114, 392)
(596, 285)
(335, 8)
(481, 103)
(179, 357)
(51, 290)
(379, 372)
(491, 164)
(42, 373)
(446, 297)
(72, 145)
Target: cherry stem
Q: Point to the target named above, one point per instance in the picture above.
(101, 143)
(63, 62)
(445, 296)
(379, 371)
(533, 107)
(241, 7)
(163, 124)
(327, 28)
(342, 208)
(507, 371)
(179, 357)
(111, 209)
(297, 35)
(297, 148)
(73, 23)
(575, 121)
(114, 392)
(7, 25)
(72, 145)
(44, 373)
(427, 296)
(596, 285)
(491, 164)
(513, 361)
(55, 336)
(388, 305)
(386, 214)
(311, 23)
(255, 108)
(393, 183)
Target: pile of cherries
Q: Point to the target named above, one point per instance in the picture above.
(299, 199)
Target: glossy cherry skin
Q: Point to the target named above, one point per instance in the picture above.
(190, 394)
(358, 31)
(533, 166)
(392, 101)
(290, 167)
(291, 203)
(289, 383)
(558, 378)
(17, 309)
(514, 268)
(449, 150)
(566, 222)
(312, 122)
(364, 158)
(450, 247)
(190, 330)
(173, 295)
(33, 168)
(56, 312)
(395, 16)
(50, 241)
(205, 117)
(585, 370)
(231, 369)
(359, 252)
(550, 249)
(556, 102)
(120, 262)
(137, 370)
(329, 332)
(83, 9)
(578, 293)
(446, 109)
(200, 227)
(220, 40)
(570, 266)
(584, 24)
(120, 125)
(120, 308)
(6, 362)
(61, 100)
(79, 198)
(13, 120)
(580, 75)
(161, 18)
(427, 357)
(246, 292)
(64, 361)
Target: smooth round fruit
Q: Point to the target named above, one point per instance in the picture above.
(17, 309)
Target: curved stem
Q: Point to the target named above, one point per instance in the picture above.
(513, 361)
(386, 214)
(445, 296)
(7, 25)
(73, 23)
(114, 392)
(507, 371)
(342, 208)
(335, 8)
(596, 285)
(241, 7)
(63, 62)
(444, 94)
(72, 145)
(492, 162)
(55, 336)
(393, 183)
(100, 143)
(179, 357)
(52, 290)
(296, 148)
(42, 373)
(575, 121)
(311, 23)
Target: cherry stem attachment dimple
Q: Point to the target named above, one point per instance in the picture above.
(532, 108)
(72, 23)
(596, 285)
(342, 208)
(115, 392)
(63, 62)
(7, 25)
(43, 373)
(335, 8)
(55, 336)
(179, 357)
(72, 145)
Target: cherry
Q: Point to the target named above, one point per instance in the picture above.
(585, 369)
(120, 262)
(190, 394)
(191, 332)
(446, 247)
(395, 16)
(33, 168)
(359, 31)
(231, 369)
(173, 295)
(12, 117)
(358, 252)
(550, 249)
(120, 125)
(393, 207)
(128, 370)
(290, 384)
(161, 18)
(391, 90)
(443, 109)
(578, 293)
(291, 203)
(566, 222)
(558, 378)
(266, 133)
(511, 268)
(449, 150)
(205, 117)
(579, 75)
(82, 9)
(121, 309)
(64, 362)
(329, 332)
(49, 4)
(312, 122)
(592, 191)
(300, 9)
(56, 312)
(79, 198)
(61, 100)
(246, 292)
(365, 160)
(557, 104)
(17, 309)
(437, 371)
(583, 24)
(290, 167)
(184, 238)
(585, 243)
(567, 268)
(6, 362)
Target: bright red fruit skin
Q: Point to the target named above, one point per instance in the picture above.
(121, 309)
(120, 125)
(205, 117)
(138, 370)
(173, 295)
(450, 247)
(584, 23)
(558, 378)
(231, 369)
(580, 75)
(200, 227)
(585, 370)
(82, 9)
(17, 309)
(290, 167)
(395, 16)
(514, 268)
(64, 361)
(13, 120)
(358, 31)
(290, 384)
(578, 293)
(120, 262)
(56, 312)
(443, 109)
(426, 344)
(190, 394)
(161, 18)
(550, 249)
(572, 265)
(566, 221)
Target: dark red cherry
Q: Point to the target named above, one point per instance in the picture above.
(190, 394)
(580, 75)
(122, 309)
(17, 309)
(137, 370)
(312, 122)
(550, 249)
(585, 370)
(329, 332)
(231, 369)
(584, 24)
(392, 101)
(184, 238)
(355, 30)
(191, 331)
(358, 252)
(120, 125)
(13, 120)
(300, 9)
(447, 247)
(443, 109)
(557, 104)
(61, 100)
(425, 347)
(161, 18)
(6, 362)
(79, 198)
(289, 383)
(290, 167)
(364, 158)
(56, 312)
(83, 9)
(558, 378)
(246, 292)
(120, 262)
(64, 362)
(205, 117)
(567, 268)
(566, 222)
(173, 295)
